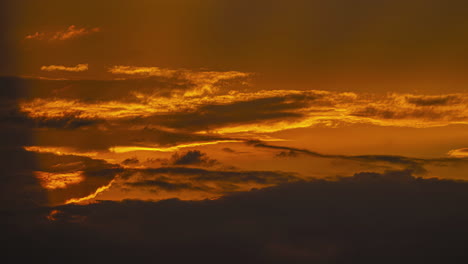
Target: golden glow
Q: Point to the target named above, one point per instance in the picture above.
(52, 216)
(59, 151)
(204, 81)
(148, 106)
(131, 70)
(122, 149)
(326, 108)
(459, 153)
(58, 180)
(69, 33)
(77, 68)
(91, 196)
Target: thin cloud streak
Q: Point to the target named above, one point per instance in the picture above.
(123, 149)
(77, 68)
(204, 81)
(459, 153)
(69, 33)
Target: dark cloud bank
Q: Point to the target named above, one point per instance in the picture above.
(368, 218)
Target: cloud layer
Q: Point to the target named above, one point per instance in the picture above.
(367, 218)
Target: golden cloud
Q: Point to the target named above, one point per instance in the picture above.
(91, 196)
(204, 81)
(302, 108)
(59, 151)
(123, 149)
(58, 180)
(77, 68)
(69, 33)
(459, 153)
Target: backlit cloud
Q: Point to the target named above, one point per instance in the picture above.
(459, 153)
(77, 68)
(262, 111)
(59, 180)
(204, 81)
(68, 33)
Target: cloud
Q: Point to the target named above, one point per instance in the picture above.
(416, 165)
(59, 180)
(152, 71)
(459, 153)
(123, 149)
(190, 183)
(92, 195)
(228, 150)
(164, 185)
(433, 100)
(287, 154)
(70, 33)
(77, 68)
(68, 176)
(130, 161)
(230, 111)
(360, 219)
(204, 81)
(197, 174)
(192, 157)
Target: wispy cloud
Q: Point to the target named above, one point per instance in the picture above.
(77, 68)
(263, 111)
(58, 180)
(459, 153)
(123, 149)
(69, 33)
(204, 81)
(92, 195)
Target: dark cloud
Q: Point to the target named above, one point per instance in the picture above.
(202, 175)
(286, 154)
(193, 157)
(368, 218)
(95, 172)
(70, 120)
(433, 100)
(94, 138)
(228, 150)
(19, 188)
(130, 161)
(212, 116)
(164, 184)
(421, 113)
(414, 164)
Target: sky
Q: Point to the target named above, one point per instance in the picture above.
(300, 131)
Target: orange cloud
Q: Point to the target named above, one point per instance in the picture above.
(91, 196)
(459, 153)
(69, 33)
(36, 35)
(151, 71)
(307, 108)
(58, 180)
(59, 151)
(204, 81)
(77, 68)
(123, 149)
(148, 105)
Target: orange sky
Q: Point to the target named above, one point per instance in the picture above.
(160, 99)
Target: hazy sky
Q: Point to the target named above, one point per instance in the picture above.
(111, 107)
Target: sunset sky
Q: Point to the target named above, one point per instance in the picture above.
(331, 117)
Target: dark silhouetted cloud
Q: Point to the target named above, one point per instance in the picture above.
(192, 157)
(368, 218)
(130, 161)
(433, 100)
